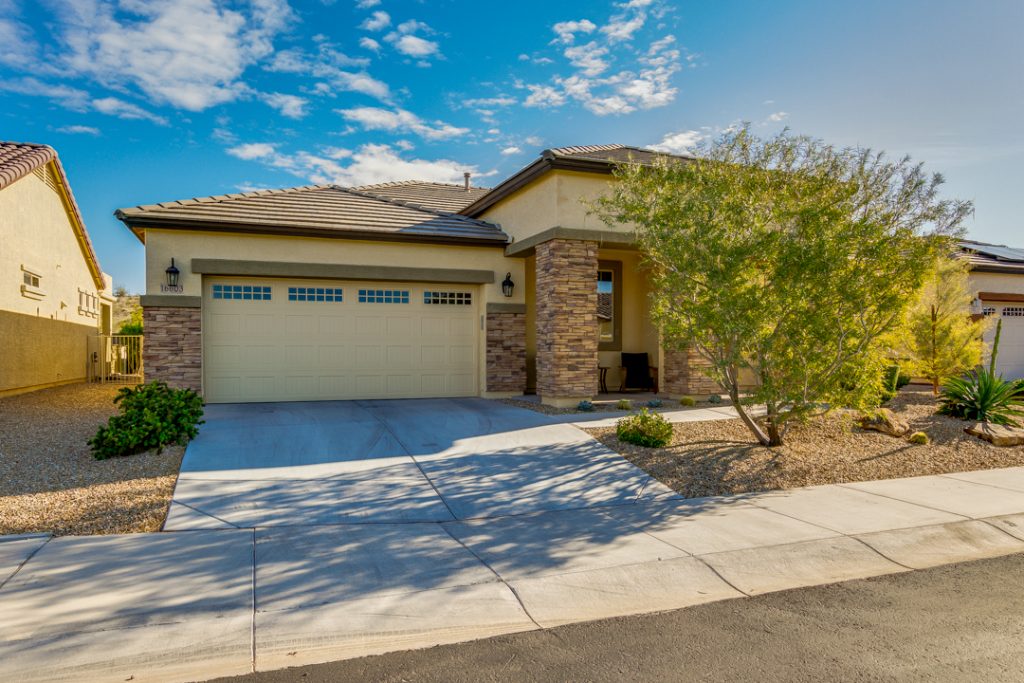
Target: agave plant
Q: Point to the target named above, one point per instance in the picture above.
(983, 396)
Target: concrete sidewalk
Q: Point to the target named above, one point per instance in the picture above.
(199, 604)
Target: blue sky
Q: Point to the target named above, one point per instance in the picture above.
(152, 100)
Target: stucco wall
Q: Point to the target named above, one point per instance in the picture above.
(556, 199)
(40, 352)
(1006, 283)
(35, 231)
(162, 245)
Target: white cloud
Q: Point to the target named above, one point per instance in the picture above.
(498, 101)
(623, 27)
(544, 96)
(413, 46)
(366, 4)
(126, 110)
(253, 150)
(292, 106)
(190, 54)
(399, 120)
(369, 44)
(682, 142)
(79, 130)
(370, 163)
(508, 151)
(66, 96)
(567, 30)
(19, 45)
(329, 65)
(589, 58)
(778, 116)
(377, 21)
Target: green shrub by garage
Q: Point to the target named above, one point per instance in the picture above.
(152, 416)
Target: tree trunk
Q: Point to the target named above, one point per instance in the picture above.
(934, 352)
(774, 433)
(755, 429)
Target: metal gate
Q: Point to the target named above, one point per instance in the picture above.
(116, 359)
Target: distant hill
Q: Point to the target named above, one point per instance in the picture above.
(123, 307)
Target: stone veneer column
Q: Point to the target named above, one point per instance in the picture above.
(566, 319)
(683, 376)
(172, 348)
(506, 351)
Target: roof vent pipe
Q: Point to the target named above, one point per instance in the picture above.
(466, 176)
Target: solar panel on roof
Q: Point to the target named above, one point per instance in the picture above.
(1002, 253)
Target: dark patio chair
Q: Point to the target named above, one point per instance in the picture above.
(637, 373)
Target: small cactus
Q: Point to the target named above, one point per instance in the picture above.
(919, 438)
(624, 404)
(585, 406)
(688, 401)
(654, 403)
(714, 398)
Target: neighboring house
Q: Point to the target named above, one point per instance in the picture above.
(401, 290)
(997, 278)
(53, 295)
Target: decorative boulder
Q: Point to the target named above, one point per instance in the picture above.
(885, 421)
(997, 435)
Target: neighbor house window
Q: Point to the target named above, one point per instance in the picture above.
(241, 292)
(325, 294)
(88, 304)
(31, 283)
(383, 296)
(448, 298)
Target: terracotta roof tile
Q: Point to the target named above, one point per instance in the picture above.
(326, 210)
(442, 196)
(18, 159)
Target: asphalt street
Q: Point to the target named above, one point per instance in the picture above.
(960, 622)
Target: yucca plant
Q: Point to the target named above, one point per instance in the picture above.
(984, 396)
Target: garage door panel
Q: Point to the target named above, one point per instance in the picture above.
(379, 345)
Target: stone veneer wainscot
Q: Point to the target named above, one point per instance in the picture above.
(173, 347)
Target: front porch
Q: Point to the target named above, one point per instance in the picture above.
(587, 303)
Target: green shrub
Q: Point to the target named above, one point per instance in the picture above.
(624, 404)
(585, 406)
(982, 396)
(654, 403)
(919, 438)
(644, 429)
(152, 416)
(688, 401)
(714, 398)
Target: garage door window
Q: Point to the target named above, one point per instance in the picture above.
(383, 296)
(325, 294)
(1013, 312)
(448, 298)
(241, 292)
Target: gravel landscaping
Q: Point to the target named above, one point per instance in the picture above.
(717, 458)
(49, 481)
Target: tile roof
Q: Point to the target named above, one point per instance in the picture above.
(611, 153)
(993, 257)
(440, 196)
(17, 160)
(316, 211)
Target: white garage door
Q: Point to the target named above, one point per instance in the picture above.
(303, 340)
(1010, 361)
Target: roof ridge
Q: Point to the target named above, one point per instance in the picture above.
(403, 203)
(218, 198)
(406, 183)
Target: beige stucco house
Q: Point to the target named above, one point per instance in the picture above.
(54, 294)
(997, 279)
(400, 290)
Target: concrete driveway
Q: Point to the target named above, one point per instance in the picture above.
(437, 460)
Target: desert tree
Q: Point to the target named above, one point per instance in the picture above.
(940, 337)
(787, 258)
